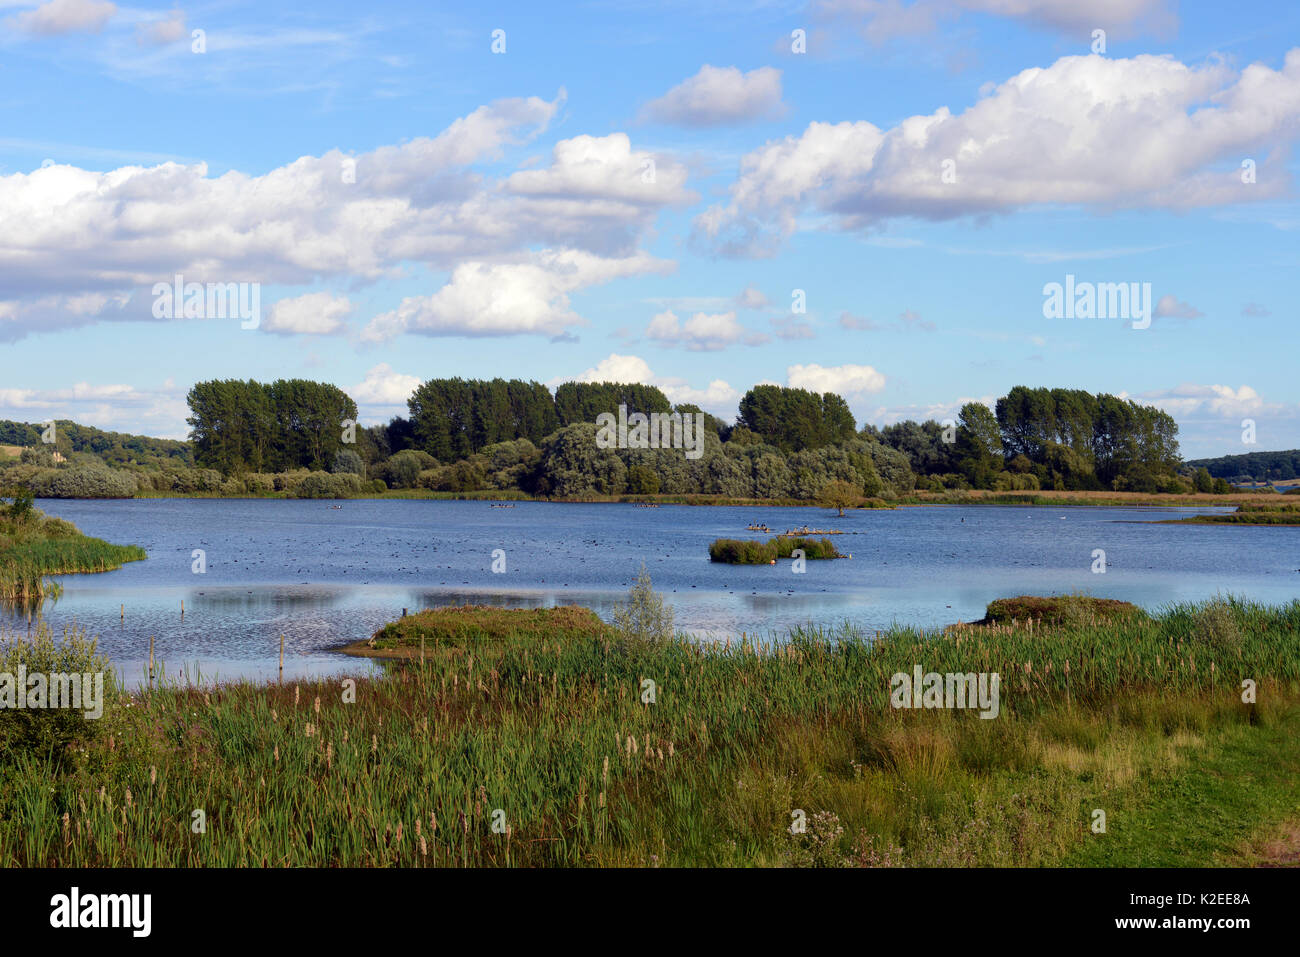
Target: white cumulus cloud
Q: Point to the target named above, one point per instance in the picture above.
(719, 96)
(1147, 131)
(316, 314)
(845, 380)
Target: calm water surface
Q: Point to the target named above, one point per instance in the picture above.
(323, 576)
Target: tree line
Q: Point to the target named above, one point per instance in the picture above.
(465, 435)
(1253, 466)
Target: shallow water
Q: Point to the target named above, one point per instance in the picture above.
(323, 576)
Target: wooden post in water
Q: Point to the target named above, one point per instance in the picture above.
(151, 662)
(281, 657)
(124, 613)
(182, 607)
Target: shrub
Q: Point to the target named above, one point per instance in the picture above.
(84, 483)
(1215, 624)
(289, 481)
(20, 508)
(403, 469)
(349, 462)
(52, 527)
(644, 619)
(327, 485)
(189, 481)
(259, 483)
(41, 732)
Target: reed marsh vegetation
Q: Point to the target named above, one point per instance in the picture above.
(556, 727)
(34, 546)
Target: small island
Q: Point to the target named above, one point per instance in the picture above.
(1248, 514)
(736, 551)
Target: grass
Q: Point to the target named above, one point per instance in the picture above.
(554, 729)
(1227, 785)
(37, 546)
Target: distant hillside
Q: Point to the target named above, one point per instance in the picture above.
(1253, 466)
(115, 448)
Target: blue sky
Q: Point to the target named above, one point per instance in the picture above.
(920, 172)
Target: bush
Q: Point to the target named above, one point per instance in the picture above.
(190, 481)
(348, 462)
(327, 485)
(20, 507)
(403, 469)
(58, 528)
(644, 619)
(83, 483)
(259, 483)
(40, 732)
(1215, 624)
(289, 481)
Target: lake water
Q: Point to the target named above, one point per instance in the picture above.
(323, 576)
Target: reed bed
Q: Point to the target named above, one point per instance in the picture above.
(36, 547)
(523, 750)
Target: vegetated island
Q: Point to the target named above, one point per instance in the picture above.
(34, 545)
(1247, 514)
(549, 738)
(740, 551)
